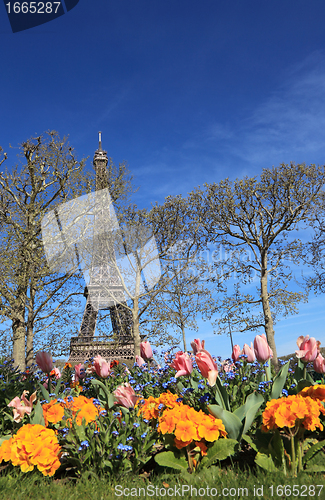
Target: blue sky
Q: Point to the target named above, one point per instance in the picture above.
(185, 91)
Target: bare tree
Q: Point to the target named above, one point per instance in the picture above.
(186, 296)
(259, 216)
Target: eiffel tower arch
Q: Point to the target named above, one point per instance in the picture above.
(102, 277)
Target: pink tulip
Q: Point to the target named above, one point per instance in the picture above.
(207, 366)
(145, 350)
(308, 348)
(139, 361)
(236, 353)
(23, 406)
(319, 364)
(44, 361)
(197, 345)
(79, 371)
(262, 349)
(102, 368)
(182, 364)
(249, 352)
(126, 396)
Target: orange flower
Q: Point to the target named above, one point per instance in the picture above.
(211, 429)
(166, 423)
(314, 391)
(33, 445)
(53, 412)
(186, 430)
(293, 411)
(181, 444)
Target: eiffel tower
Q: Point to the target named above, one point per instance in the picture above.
(85, 346)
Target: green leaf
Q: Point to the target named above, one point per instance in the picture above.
(279, 381)
(4, 438)
(111, 401)
(102, 386)
(315, 468)
(193, 384)
(221, 394)
(312, 451)
(251, 415)
(232, 423)
(58, 386)
(168, 459)
(249, 440)
(44, 392)
(38, 417)
(276, 449)
(221, 450)
(302, 384)
(265, 462)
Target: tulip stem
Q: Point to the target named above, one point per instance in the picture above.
(293, 455)
(268, 370)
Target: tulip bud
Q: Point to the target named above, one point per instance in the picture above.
(262, 349)
(319, 364)
(207, 366)
(308, 348)
(236, 353)
(145, 350)
(44, 361)
(197, 345)
(249, 352)
(182, 364)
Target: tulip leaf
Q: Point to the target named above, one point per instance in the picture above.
(44, 392)
(58, 386)
(168, 459)
(232, 423)
(38, 417)
(250, 416)
(221, 394)
(104, 392)
(279, 381)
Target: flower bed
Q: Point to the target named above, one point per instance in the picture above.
(191, 413)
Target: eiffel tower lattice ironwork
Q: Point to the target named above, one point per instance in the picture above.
(102, 278)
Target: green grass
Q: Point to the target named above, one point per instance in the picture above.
(238, 484)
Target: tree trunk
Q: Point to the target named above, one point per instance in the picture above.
(183, 334)
(19, 332)
(269, 331)
(29, 344)
(136, 330)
